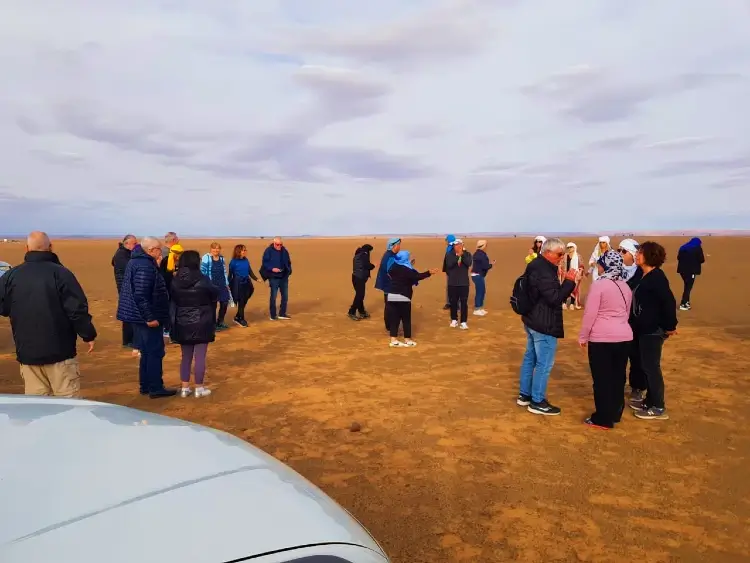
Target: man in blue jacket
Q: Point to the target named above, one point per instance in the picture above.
(382, 281)
(276, 267)
(144, 303)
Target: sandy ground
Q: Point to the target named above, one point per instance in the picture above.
(447, 467)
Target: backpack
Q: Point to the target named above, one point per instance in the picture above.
(520, 300)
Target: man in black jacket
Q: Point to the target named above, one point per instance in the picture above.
(119, 263)
(361, 269)
(48, 311)
(543, 325)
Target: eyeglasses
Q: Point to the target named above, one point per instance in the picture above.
(622, 251)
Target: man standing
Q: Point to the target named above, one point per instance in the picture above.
(276, 268)
(48, 311)
(144, 303)
(119, 263)
(382, 281)
(167, 262)
(361, 269)
(457, 265)
(543, 324)
(449, 240)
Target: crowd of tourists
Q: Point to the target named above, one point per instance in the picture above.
(169, 293)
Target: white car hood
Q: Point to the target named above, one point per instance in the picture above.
(90, 482)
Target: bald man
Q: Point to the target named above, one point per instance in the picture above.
(48, 312)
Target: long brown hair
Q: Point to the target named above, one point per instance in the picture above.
(238, 251)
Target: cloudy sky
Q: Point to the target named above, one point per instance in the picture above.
(229, 117)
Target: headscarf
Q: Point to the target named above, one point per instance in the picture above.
(611, 261)
(631, 247)
(575, 260)
(694, 242)
(175, 251)
(402, 258)
(481, 244)
(449, 239)
(392, 242)
(367, 247)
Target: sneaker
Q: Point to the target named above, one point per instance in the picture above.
(238, 322)
(161, 393)
(243, 322)
(637, 394)
(353, 317)
(273, 318)
(480, 312)
(410, 343)
(523, 400)
(684, 307)
(652, 413)
(185, 392)
(446, 307)
(543, 408)
(454, 324)
(202, 392)
(638, 403)
(464, 326)
(364, 315)
(396, 344)
(221, 326)
(285, 318)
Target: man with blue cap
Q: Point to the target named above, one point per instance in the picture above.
(382, 281)
(449, 240)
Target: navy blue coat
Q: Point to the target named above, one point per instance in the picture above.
(382, 281)
(143, 296)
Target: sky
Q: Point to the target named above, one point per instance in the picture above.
(335, 117)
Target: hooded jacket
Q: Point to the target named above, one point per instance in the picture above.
(361, 265)
(690, 258)
(119, 263)
(193, 308)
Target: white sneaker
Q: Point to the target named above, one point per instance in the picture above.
(410, 343)
(454, 324)
(202, 392)
(564, 307)
(464, 326)
(479, 312)
(396, 344)
(185, 392)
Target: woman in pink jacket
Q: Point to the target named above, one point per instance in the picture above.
(606, 332)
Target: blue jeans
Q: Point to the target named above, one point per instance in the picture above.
(278, 285)
(537, 364)
(150, 343)
(480, 290)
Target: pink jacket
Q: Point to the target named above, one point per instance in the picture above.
(605, 318)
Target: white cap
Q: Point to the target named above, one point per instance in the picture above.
(630, 245)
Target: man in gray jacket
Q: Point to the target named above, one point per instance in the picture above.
(457, 266)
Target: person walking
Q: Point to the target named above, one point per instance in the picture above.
(449, 240)
(690, 259)
(48, 311)
(457, 265)
(193, 314)
(382, 280)
(543, 324)
(480, 267)
(119, 263)
(607, 335)
(215, 269)
(242, 289)
(276, 268)
(361, 269)
(654, 321)
(144, 303)
(403, 279)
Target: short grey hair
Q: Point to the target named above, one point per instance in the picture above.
(553, 245)
(170, 237)
(149, 243)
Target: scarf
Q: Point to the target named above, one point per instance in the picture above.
(611, 261)
(694, 242)
(175, 251)
(402, 258)
(449, 239)
(392, 242)
(575, 260)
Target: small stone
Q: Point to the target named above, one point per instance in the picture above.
(355, 427)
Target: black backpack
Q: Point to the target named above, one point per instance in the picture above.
(520, 300)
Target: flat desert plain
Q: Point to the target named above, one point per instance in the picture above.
(446, 466)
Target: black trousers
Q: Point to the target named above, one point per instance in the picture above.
(241, 296)
(688, 280)
(651, 346)
(458, 296)
(608, 361)
(223, 306)
(358, 305)
(399, 312)
(636, 377)
(385, 310)
(127, 334)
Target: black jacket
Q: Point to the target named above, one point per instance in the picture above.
(47, 308)
(547, 295)
(119, 263)
(361, 266)
(404, 279)
(458, 271)
(481, 263)
(689, 261)
(636, 279)
(193, 308)
(654, 307)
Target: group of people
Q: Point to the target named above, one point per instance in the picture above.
(630, 310)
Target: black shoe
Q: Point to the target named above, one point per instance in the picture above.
(163, 393)
(243, 322)
(523, 400)
(446, 307)
(353, 317)
(543, 408)
(221, 326)
(142, 392)
(364, 315)
(128, 345)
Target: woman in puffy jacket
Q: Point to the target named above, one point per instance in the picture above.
(193, 315)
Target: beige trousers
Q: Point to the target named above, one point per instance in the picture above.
(59, 380)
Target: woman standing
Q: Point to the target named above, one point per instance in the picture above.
(214, 268)
(690, 258)
(480, 266)
(654, 319)
(403, 278)
(457, 266)
(601, 248)
(632, 274)
(535, 248)
(572, 262)
(193, 315)
(606, 332)
(240, 274)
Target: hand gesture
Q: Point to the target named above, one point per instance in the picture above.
(91, 346)
(582, 345)
(571, 275)
(493, 262)
(275, 270)
(434, 271)
(152, 324)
